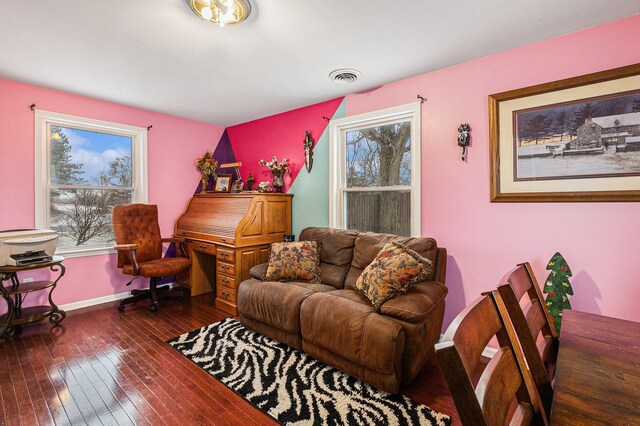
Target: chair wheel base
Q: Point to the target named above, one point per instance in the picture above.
(121, 308)
(154, 307)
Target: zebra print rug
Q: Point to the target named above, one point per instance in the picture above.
(291, 386)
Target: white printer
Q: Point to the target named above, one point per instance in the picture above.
(23, 247)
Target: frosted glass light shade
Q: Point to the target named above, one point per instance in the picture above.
(221, 12)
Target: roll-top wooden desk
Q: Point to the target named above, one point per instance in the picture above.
(228, 234)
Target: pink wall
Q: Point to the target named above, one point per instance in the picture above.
(484, 239)
(280, 135)
(174, 144)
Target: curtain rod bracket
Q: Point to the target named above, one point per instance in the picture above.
(149, 128)
(32, 107)
(421, 99)
(324, 117)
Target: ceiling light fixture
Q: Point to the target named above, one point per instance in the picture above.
(221, 12)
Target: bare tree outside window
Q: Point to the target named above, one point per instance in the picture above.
(90, 173)
(378, 178)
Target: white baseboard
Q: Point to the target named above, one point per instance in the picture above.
(96, 301)
(488, 351)
(92, 302)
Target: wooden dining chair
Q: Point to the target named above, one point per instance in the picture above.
(505, 378)
(534, 327)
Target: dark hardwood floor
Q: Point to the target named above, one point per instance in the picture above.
(104, 367)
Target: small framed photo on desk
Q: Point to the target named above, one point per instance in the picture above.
(236, 187)
(223, 183)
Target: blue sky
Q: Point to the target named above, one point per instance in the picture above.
(95, 150)
(100, 142)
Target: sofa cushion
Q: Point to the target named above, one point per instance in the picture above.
(416, 304)
(274, 303)
(368, 245)
(353, 331)
(353, 295)
(394, 270)
(312, 286)
(336, 254)
(294, 261)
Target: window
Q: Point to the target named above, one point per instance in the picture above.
(374, 182)
(84, 167)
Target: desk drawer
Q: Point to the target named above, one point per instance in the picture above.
(226, 255)
(226, 293)
(226, 268)
(203, 248)
(226, 282)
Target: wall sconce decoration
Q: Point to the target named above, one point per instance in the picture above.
(464, 138)
(308, 150)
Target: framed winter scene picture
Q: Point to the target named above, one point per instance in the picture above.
(576, 139)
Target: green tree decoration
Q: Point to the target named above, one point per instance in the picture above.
(558, 288)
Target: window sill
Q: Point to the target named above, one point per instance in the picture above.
(97, 251)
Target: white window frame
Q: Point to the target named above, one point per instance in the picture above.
(139, 159)
(337, 160)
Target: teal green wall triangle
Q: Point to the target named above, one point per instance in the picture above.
(311, 190)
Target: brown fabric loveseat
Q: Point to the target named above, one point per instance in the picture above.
(337, 325)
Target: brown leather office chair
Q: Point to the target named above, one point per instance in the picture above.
(534, 326)
(139, 246)
(503, 380)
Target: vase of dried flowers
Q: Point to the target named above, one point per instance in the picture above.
(278, 170)
(208, 167)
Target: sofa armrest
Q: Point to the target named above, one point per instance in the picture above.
(440, 265)
(417, 304)
(258, 271)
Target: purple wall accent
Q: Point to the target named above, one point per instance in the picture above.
(224, 154)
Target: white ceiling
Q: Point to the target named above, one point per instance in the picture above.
(157, 55)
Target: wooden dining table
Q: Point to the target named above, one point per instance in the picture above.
(597, 379)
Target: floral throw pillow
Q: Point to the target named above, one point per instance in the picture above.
(294, 261)
(392, 273)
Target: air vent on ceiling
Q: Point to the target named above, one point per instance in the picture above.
(344, 76)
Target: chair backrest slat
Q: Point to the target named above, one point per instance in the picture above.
(476, 325)
(529, 323)
(504, 379)
(535, 319)
(498, 385)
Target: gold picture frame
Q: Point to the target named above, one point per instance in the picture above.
(546, 141)
(223, 183)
